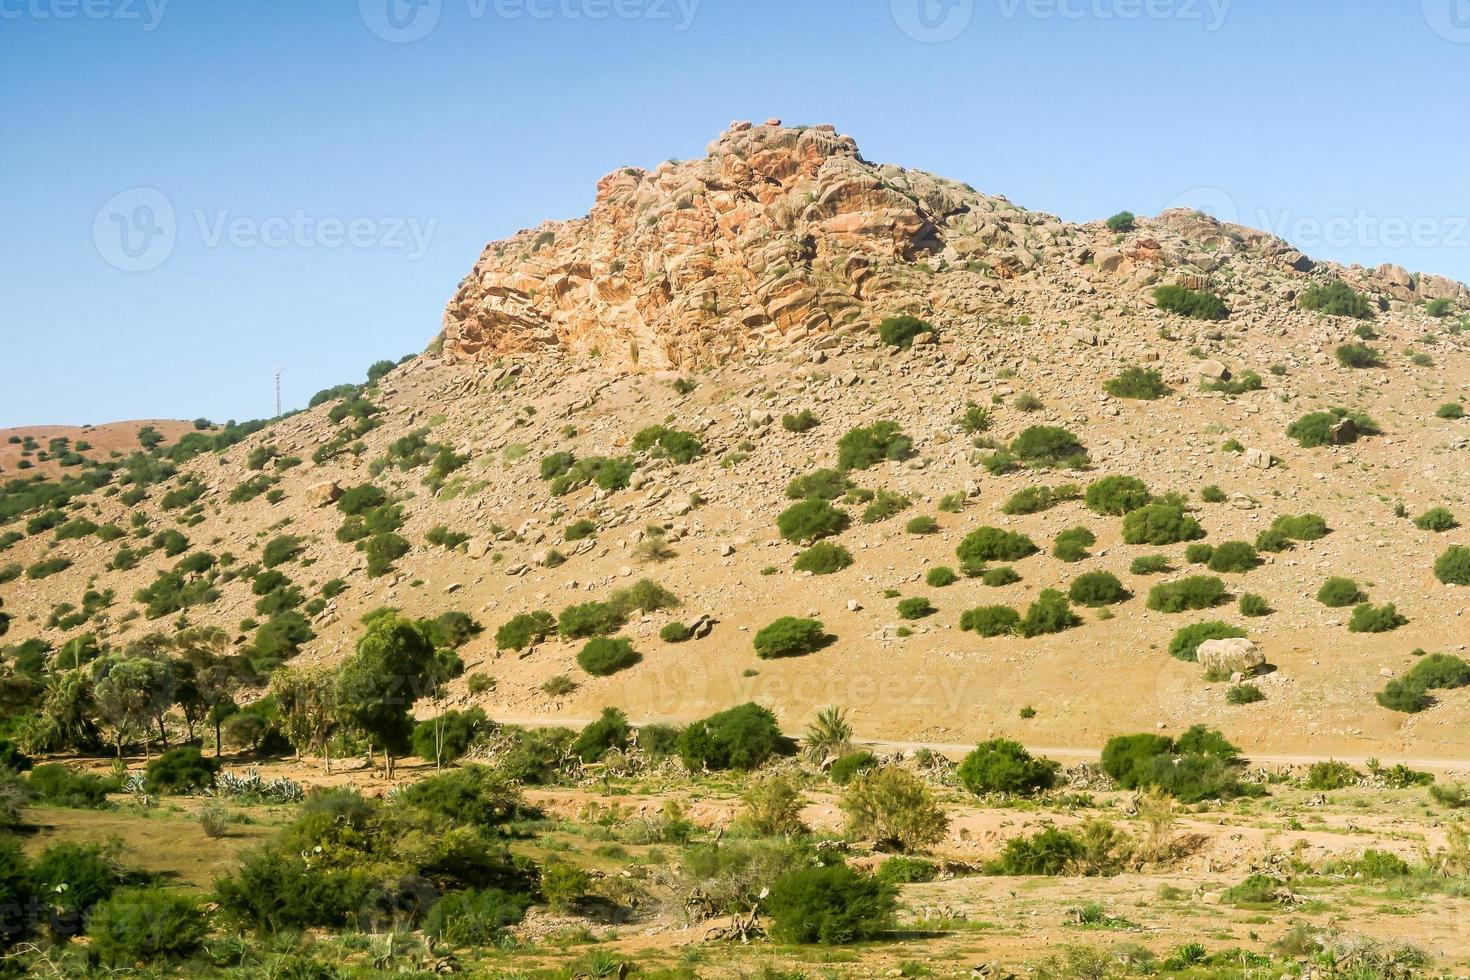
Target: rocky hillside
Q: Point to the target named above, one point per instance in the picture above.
(629, 396)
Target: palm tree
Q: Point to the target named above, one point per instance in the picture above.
(828, 735)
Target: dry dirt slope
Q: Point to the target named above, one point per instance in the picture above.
(1023, 304)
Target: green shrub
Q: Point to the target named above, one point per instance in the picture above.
(811, 520)
(609, 732)
(1440, 670)
(1199, 554)
(940, 576)
(802, 421)
(1358, 356)
(1149, 565)
(1003, 766)
(1450, 410)
(1185, 644)
(973, 420)
(740, 738)
(1240, 694)
(1453, 567)
(54, 784)
(1096, 589)
(885, 505)
(903, 870)
(1047, 852)
(660, 441)
(181, 770)
(1034, 500)
(47, 568)
(1403, 695)
(916, 607)
(1122, 222)
(1336, 298)
(863, 448)
(819, 485)
(1145, 384)
(447, 737)
(76, 528)
(900, 331)
(1234, 556)
(1212, 495)
(1338, 593)
(1050, 613)
(1332, 775)
(1254, 605)
(1305, 527)
(1191, 303)
(823, 558)
(831, 905)
(475, 918)
(993, 544)
(996, 578)
(1255, 891)
(790, 636)
(1194, 592)
(675, 633)
(524, 629)
(588, 619)
(1239, 385)
(603, 656)
(922, 524)
(1047, 447)
(1438, 519)
(645, 596)
(1071, 545)
(848, 766)
(1201, 765)
(1160, 524)
(1317, 428)
(382, 551)
(991, 621)
(1368, 618)
(281, 549)
(142, 925)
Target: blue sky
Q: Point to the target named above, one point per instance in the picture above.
(332, 174)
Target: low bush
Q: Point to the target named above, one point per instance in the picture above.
(1303, 527)
(900, 331)
(1212, 495)
(1048, 852)
(802, 421)
(996, 578)
(922, 524)
(675, 633)
(903, 870)
(1048, 447)
(1403, 695)
(790, 636)
(1185, 644)
(1200, 765)
(1450, 410)
(662, 442)
(1194, 592)
(146, 925)
(475, 918)
(1160, 524)
(853, 764)
(819, 485)
(180, 770)
(1328, 428)
(885, 504)
(53, 784)
(831, 905)
(940, 576)
(447, 737)
(916, 607)
(1240, 694)
(991, 621)
(895, 809)
(524, 629)
(1034, 500)
(588, 619)
(1336, 298)
(1358, 356)
(1096, 589)
(993, 544)
(1234, 556)
(382, 551)
(1338, 593)
(1199, 554)
(1332, 775)
(743, 738)
(1254, 605)
(1050, 613)
(1122, 222)
(811, 520)
(1071, 545)
(1197, 305)
(1003, 766)
(1368, 618)
(823, 558)
(1149, 565)
(1144, 384)
(865, 447)
(1453, 567)
(604, 656)
(1438, 519)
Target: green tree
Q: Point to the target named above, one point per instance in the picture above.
(130, 692)
(377, 686)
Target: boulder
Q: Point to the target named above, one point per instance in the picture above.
(1230, 656)
(1258, 459)
(1214, 370)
